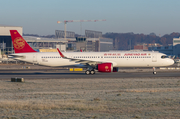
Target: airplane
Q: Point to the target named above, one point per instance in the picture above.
(100, 61)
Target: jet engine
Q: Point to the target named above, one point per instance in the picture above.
(106, 67)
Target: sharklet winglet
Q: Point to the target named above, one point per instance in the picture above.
(61, 53)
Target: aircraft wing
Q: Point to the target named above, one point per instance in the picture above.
(81, 61)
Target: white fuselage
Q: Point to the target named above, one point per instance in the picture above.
(118, 59)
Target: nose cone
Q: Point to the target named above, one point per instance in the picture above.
(170, 62)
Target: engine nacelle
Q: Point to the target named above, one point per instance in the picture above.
(105, 67)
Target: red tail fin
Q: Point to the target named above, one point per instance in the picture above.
(20, 45)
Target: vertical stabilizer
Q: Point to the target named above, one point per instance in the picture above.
(20, 45)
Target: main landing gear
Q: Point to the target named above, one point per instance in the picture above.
(154, 72)
(90, 72)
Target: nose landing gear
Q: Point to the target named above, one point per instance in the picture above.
(154, 72)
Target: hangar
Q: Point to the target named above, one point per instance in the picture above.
(5, 38)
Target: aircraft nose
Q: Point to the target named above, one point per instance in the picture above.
(170, 61)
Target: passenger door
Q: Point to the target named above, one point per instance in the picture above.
(154, 57)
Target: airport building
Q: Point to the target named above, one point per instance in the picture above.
(46, 44)
(70, 44)
(168, 50)
(93, 41)
(176, 46)
(90, 44)
(60, 34)
(141, 47)
(172, 49)
(5, 38)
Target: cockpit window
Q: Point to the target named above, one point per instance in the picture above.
(164, 56)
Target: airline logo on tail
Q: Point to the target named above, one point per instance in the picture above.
(20, 45)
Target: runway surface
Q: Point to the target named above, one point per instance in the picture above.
(66, 74)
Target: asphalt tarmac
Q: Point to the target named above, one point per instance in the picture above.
(66, 74)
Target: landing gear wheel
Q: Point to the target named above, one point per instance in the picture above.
(154, 70)
(87, 72)
(92, 72)
(154, 73)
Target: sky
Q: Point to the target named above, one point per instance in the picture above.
(122, 16)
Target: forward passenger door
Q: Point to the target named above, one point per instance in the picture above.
(154, 57)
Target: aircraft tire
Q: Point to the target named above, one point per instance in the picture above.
(87, 72)
(92, 72)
